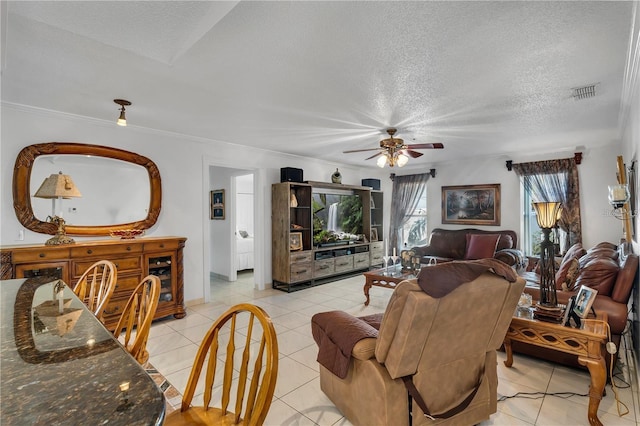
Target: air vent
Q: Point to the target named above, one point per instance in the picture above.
(584, 92)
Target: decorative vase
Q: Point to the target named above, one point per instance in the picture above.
(336, 177)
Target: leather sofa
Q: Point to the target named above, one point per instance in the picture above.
(455, 377)
(447, 244)
(604, 267)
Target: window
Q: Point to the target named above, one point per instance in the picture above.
(414, 231)
(532, 235)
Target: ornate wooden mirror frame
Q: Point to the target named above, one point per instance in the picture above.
(22, 180)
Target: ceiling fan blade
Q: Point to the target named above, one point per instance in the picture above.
(412, 154)
(373, 156)
(426, 146)
(360, 150)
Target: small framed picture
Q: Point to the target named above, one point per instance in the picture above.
(374, 234)
(295, 241)
(216, 204)
(584, 300)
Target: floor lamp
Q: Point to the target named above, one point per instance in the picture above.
(547, 215)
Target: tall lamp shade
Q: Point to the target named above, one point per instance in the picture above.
(547, 214)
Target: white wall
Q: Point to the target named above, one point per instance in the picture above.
(244, 203)
(597, 170)
(180, 159)
(185, 202)
(631, 152)
(220, 230)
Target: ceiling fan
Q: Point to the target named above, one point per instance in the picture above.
(394, 151)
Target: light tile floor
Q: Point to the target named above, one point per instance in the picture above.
(298, 399)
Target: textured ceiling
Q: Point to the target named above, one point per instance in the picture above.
(318, 78)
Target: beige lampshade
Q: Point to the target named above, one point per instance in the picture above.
(547, 213)
(58, 186)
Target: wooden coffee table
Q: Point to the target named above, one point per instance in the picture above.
(387, 278)
(587, 343)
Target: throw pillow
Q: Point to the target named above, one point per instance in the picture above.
(575, 252)
(243, 234)
(481, 246)
(569, 283)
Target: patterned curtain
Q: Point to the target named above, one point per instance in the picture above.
(556, 180)
(407, 191)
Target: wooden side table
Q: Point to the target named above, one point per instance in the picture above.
(586, 342)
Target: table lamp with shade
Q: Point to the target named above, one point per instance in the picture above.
(57, 187)
(547, 214)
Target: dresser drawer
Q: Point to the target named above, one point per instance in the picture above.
(20, 256)
(344, 264)
(361, 260)
(161, 245)
(113, 310)
(127, 284)
(106, 250)
(300, 256)
(301, 271)
(323, 267)
(376, 245)
(122, 265)
(376, 257)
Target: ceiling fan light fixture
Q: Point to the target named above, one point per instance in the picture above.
(122, 120)
(394, 152)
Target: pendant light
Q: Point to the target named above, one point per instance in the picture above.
(122, 120)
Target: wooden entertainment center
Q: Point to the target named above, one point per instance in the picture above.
(297, 261)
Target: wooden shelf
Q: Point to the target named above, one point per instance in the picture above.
(298, 269)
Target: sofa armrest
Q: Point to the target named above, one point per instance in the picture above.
(512, 257)
(365, 349)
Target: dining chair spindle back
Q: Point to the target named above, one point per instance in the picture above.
(256, 370)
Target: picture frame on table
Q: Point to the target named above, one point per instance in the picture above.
(584, 301)
(471, 204)
(216, 204)
(295, 241)
(374, 234)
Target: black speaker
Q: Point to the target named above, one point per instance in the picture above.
(373, 183)
(290, 174)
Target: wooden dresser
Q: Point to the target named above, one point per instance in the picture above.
(135, 259)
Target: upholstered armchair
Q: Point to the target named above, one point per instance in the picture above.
(439, 331)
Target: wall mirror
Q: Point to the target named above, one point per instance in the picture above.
(120, 189)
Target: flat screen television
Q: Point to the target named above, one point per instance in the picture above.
(336, 216)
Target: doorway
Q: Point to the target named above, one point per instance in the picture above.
(221, 235)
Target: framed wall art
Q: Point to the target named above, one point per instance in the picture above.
(216, 203)
(471, 204)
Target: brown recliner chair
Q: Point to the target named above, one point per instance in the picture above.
(445, 343)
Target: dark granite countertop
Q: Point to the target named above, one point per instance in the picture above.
(66, 368)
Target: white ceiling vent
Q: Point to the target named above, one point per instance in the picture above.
(584, 92)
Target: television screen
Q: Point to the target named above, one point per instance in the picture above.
(336, 215)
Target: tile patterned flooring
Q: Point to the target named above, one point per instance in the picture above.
(298, 399)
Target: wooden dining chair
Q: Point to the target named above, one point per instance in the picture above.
(96, 286)
(138, 313)
(257, 353)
